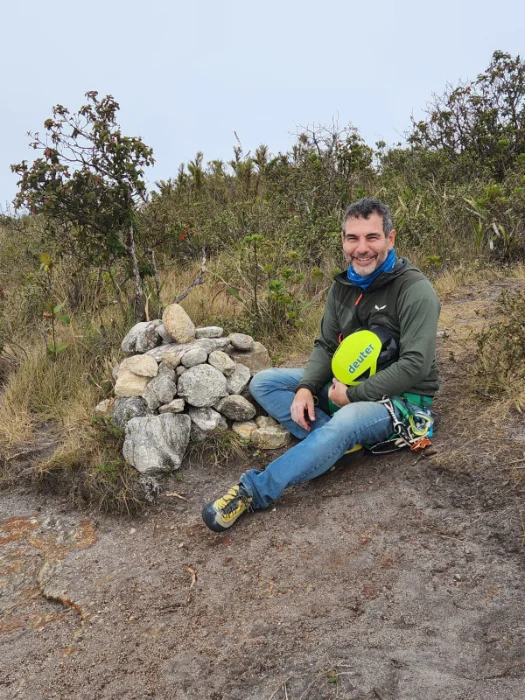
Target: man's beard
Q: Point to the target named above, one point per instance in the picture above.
(366, 270)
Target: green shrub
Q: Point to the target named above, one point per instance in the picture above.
(500, 362)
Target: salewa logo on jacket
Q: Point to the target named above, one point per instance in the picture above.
(380, 308)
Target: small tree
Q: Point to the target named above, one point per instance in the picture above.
(87, 184)
(479, 124)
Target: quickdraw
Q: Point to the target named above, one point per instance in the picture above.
(412, 430)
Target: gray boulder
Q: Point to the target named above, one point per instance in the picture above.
(256, 359)
(236, 408)
(239, 379)
(195, 356)
(208, 344)
(156, 444)
(205, 422)
(207, 419)
(125, 409)
(209, 332)
(166, 337)
(175, 406)
(202, 385)
(161, 390)
(241, 341)
(142, 337)
(166, 371)
(223, 362)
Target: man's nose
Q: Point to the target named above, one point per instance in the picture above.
(362, 246)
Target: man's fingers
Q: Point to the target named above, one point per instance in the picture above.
(299, 411)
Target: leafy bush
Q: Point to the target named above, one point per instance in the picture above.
(500, 362)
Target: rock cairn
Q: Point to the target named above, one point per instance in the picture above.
(180, 384)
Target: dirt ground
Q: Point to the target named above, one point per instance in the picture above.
(392, 578)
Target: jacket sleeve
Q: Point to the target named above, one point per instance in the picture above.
(318, 371)
(418, 312)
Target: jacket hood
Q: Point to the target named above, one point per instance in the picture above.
(402, 265)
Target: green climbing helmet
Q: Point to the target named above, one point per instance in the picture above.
(363, 353)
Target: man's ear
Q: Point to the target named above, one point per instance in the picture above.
(391, 238)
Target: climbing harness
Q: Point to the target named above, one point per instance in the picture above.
(412, 428)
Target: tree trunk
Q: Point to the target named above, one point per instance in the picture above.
(155, 275)
(140, 313)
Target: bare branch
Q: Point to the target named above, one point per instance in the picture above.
(198, 280)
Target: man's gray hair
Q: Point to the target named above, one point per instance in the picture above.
(364, 208)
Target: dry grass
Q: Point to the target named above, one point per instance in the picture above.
(481, 410)
(218, 449)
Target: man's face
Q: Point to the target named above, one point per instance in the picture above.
(365, 246)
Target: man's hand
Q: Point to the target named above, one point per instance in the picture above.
(302, 408)
(337, 393)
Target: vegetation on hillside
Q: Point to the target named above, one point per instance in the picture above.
(89, 250)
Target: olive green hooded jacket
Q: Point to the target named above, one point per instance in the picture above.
(402, 301)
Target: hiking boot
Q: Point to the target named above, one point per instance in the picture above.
(219, 515)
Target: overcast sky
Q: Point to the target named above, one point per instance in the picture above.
(189, 74)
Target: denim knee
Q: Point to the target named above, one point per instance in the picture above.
(260, 382)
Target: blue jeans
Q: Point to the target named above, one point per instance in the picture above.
(328, 440)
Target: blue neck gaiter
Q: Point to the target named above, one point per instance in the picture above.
(365, 282)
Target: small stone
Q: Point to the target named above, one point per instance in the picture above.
(125, 409)
(209, 332)
(223, 362)
(208, 420)
(236, 408)
(180, 370)
(202, 385)
(166, 337)
(175, 406)
(195, 356)
(160, 391)
(129, 384)
(256, 359)
(171, 360)
(208, 344)
(104, 406)
(266, 422)
(142, 365)
(178, 324)
(241, 341)
(151, 487)
(142, 337)
(245, 429)
(165, 371)
(239, 379)
(196, 434)
(269, 435)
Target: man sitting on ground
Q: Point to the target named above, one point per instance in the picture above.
(378, 291)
